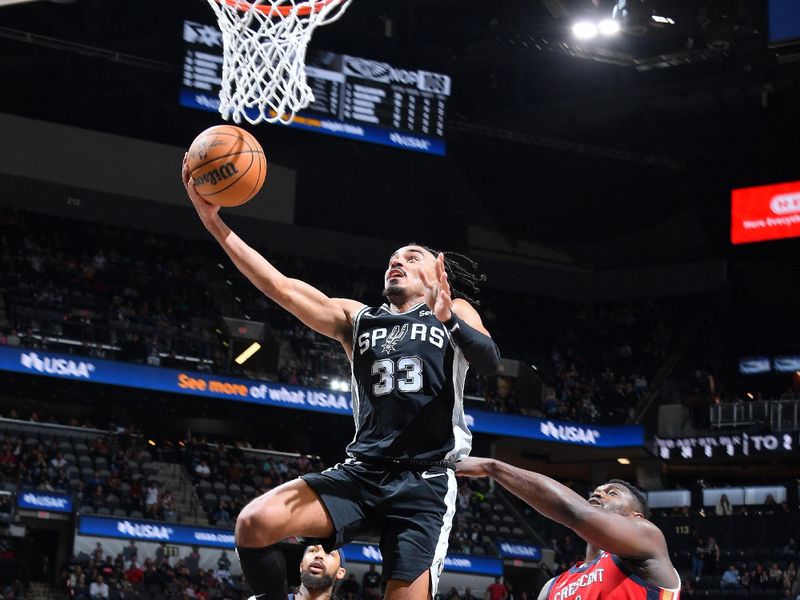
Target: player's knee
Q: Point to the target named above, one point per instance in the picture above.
(260, 523)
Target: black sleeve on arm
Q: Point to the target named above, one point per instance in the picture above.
(480, 350)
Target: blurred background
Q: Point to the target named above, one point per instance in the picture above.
(607, 163)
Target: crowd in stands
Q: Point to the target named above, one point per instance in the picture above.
(155, 299)
(132, 576)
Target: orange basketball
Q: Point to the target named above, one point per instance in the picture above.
(227, 165)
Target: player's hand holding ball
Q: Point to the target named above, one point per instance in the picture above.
(225, 166)
(437, 292)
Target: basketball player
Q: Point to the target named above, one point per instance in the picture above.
(319, 572)
(626, 555)
(409, 358)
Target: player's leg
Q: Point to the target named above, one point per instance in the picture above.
(419, 589)
(416, 528)
(290, 509)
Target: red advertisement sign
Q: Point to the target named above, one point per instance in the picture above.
(767, 212)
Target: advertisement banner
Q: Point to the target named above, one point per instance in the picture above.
(47, 501)
(173, 533)
(522, 551)
(455, 563)
(267, 393)
(767, 212)
(153, 531)
(727, 446)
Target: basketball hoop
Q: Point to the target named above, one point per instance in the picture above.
(264, 60)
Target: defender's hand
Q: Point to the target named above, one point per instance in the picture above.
(205, 210)
(473, 466)
(437, 292)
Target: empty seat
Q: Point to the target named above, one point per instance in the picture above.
(70, 458)
(86, 510)
(234, 490)
(225, 498)
(503, 531)
(103, 510)
(112, 501)
(204, 486)
(508, 519)
(81, 448)
(65, 447)
(84, 460)
(136, 514)
(101, 462)
(119, 512)
(219, 487)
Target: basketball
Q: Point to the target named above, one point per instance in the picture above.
(227, 165)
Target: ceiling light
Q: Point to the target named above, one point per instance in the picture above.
(624, 461)
(663, 20)
(254, 347)
(609, 27)
(584, 30)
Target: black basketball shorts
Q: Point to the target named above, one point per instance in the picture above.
(412, 510)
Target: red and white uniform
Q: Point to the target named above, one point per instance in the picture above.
(606, 577)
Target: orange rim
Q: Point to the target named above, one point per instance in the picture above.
(284, 11)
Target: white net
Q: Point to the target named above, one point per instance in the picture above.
(264, 62)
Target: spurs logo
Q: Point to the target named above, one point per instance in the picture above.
(395, 337)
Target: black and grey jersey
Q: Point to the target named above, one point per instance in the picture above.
(408, 384)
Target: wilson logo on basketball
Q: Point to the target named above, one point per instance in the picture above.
(214, 176)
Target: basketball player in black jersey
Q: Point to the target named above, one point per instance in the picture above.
(409, 359)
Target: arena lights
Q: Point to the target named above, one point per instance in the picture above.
(663, 20)
(624, 461)
(340, 386)
(252, 349)
(586, 29)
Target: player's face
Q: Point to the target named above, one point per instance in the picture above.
(615, 498)
(319, 570)
(402, 273)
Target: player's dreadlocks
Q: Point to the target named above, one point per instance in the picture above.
(463, 274)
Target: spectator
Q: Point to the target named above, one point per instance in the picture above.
(698, 559)
(730, 579)
(789, 551)
(151, 499)
(224, 563)
(134, 574)
(496, 590)
(775, 576)
(371, 584)
(203, 470)
(712, 556)
(98, 590)
(724, 507)
(130, 552)
(350, 586)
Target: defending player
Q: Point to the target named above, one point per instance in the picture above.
(409, 360)
(319, 573)
(626, 555)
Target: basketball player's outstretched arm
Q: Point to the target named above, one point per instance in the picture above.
(637, 539)
(329, 316)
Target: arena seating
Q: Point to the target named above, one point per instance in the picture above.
(108, 293)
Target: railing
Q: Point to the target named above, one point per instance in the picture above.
(779, 415)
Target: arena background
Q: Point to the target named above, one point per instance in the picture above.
(592, 181)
